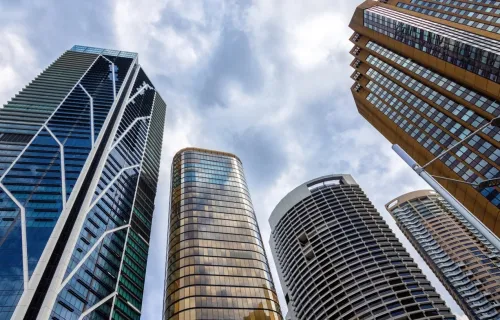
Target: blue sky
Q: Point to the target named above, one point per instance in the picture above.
(266, 80)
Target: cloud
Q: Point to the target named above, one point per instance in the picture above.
(313, 40)
(34, 33)
(17, 62)
(273, 88)
(266, 80)
(224, 70)
(175, 36)
(263, 155)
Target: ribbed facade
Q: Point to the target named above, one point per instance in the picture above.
(79, 159)
(427, 74)
(458, 254)
(216, 267)
(338, 259)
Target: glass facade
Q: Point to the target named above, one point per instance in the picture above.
(430, 124)
(338, 259)
(458, 254)
(479, 100)
(216, 267)
(53, 135)
(426, 131)
(454, 11)
(475, 53)
(427, 85)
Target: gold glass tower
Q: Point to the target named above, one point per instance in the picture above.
(426, 76)
(217, 267)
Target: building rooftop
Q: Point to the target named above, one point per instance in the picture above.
(408, 197)
(303, 191)
(214, 152)
(108, 52)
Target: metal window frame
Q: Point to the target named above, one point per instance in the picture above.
(91, 114)
(62, 166)
(24, 240)
(87, 255)
(130, 219)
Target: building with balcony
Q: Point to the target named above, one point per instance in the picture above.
(464, 260)
(338, 259)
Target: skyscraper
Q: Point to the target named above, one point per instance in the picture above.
(426, 76)
(216, 266)
(79, 156)
(338, 259)
(467, 264)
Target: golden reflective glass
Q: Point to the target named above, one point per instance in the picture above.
(217, 268)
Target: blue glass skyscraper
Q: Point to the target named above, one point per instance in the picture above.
(79, 159)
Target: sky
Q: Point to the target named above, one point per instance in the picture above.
(267, 80)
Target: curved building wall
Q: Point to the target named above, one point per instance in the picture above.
(338, 259)
(216, 267)
(459, 255)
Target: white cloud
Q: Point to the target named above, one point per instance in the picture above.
(312, 41)
(145, 27)
(301, 102)
(18, 63)
(309, 64)
(190, 10)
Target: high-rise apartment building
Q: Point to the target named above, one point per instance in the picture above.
(79, 157)
(216, 266)
(338, 259)
(467, 264)
(426, 76)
